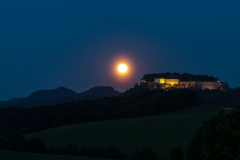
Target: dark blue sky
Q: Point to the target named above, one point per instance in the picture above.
(71, 43)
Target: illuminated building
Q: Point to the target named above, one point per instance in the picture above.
(175, 82)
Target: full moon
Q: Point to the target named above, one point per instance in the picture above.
(122, 68)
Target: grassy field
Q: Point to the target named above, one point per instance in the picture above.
(160, 133)
(8, 155)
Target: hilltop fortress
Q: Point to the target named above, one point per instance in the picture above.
(185, 80)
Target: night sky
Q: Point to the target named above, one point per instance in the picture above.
(76, 44)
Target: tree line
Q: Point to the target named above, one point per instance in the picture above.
(14, 141)
(219, 98)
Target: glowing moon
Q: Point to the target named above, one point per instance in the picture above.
(122, 68)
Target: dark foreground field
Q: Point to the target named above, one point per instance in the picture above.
(160, 133)
(9, 155)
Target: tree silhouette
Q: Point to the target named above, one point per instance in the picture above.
(71, 150)
(218, 138)
(36, 145)
(14, 140)
(177, 153)
(147, 154)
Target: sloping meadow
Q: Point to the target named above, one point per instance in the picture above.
(159, 133)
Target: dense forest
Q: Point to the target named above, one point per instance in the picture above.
(219, 98)
(26, 120)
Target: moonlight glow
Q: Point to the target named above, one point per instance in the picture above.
(122, 68)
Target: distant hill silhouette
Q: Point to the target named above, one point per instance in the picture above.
(44, 95)
(59, 95)
(99, 91)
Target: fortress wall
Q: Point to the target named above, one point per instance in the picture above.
(212, 85)
(196, 84)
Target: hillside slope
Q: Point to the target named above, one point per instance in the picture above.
(159, 133)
